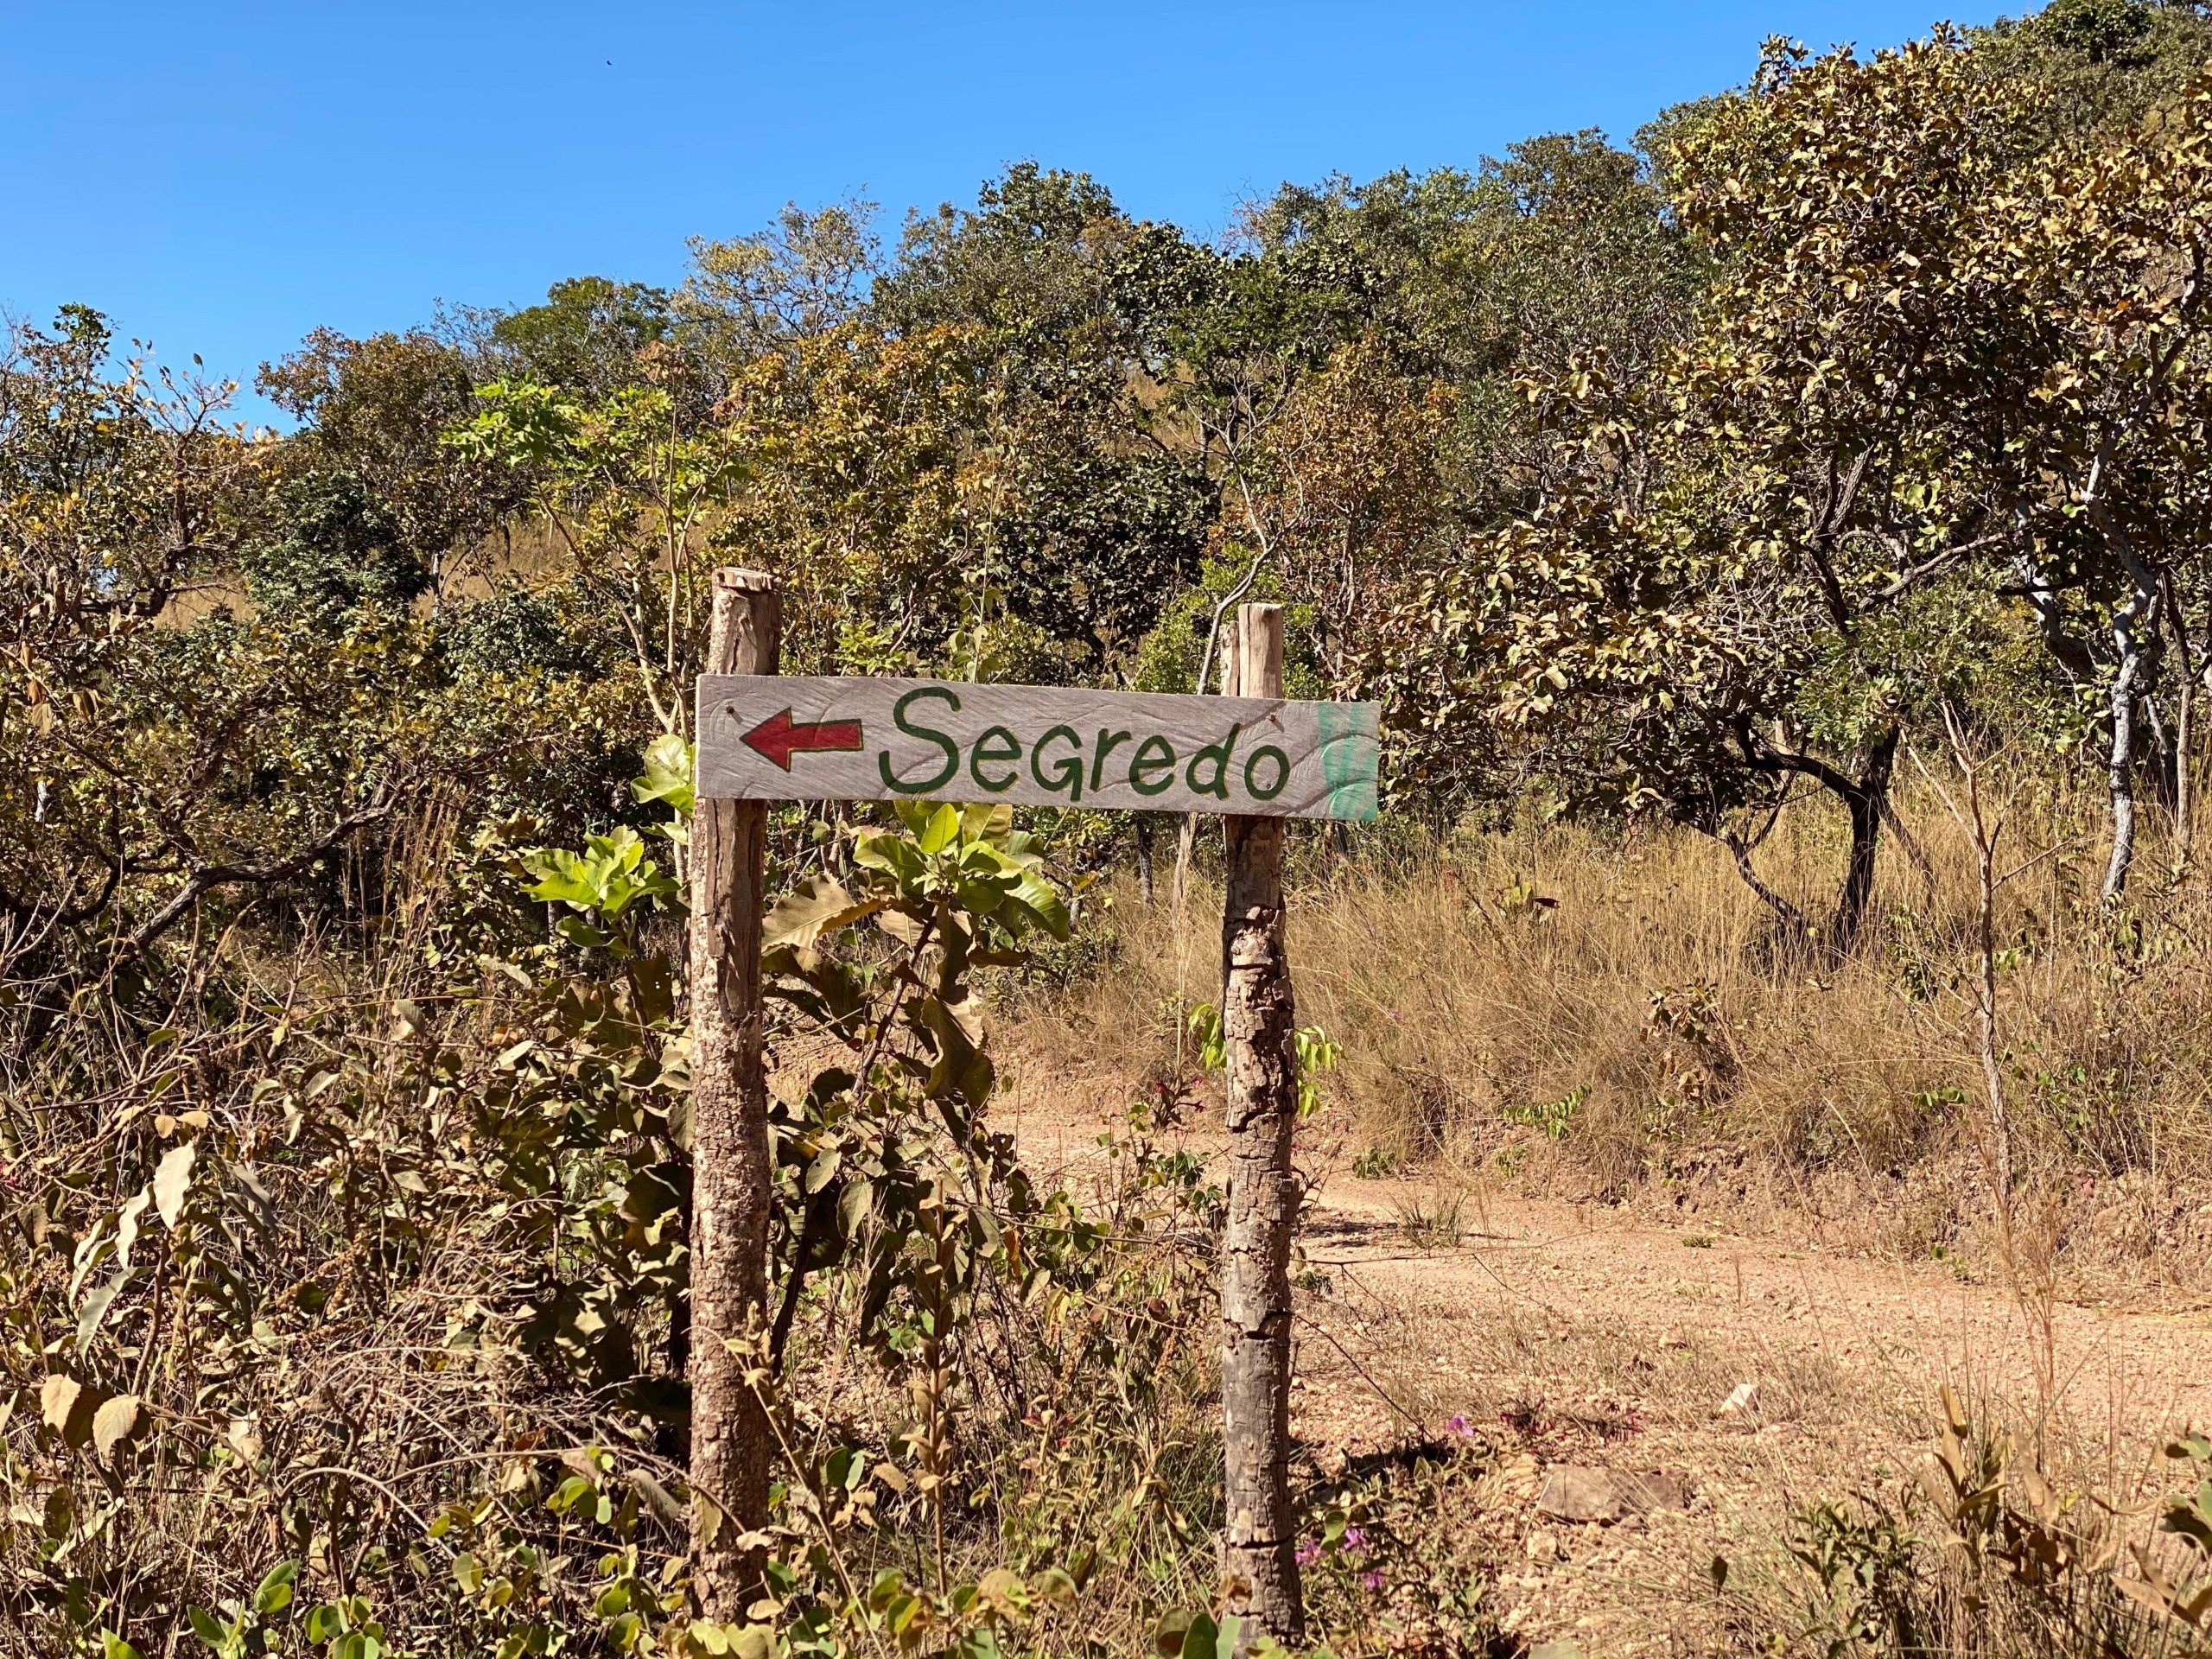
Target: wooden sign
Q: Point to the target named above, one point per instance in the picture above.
(772, 738)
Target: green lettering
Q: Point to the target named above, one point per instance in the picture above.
(1067, 772)
(1155, 754)
(1266, 751)
(1106, 742)
(996, 744)
(952, 749)
(1219, 753)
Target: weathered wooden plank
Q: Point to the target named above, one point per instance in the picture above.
(839, 739)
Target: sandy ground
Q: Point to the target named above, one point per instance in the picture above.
(1567, 1334)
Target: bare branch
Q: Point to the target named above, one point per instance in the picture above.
(207, 877)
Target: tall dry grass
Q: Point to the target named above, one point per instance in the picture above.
(1616, 1016)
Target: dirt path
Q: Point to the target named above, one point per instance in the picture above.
(1570, 1335)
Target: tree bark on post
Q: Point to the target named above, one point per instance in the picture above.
(729, 1143)
(1260, 1542)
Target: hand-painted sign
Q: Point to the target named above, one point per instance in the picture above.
(770, 738)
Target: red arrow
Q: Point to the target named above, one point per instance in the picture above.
(779, 737)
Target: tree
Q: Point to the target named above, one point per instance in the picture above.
(2111, 245)
(1956, 325)
(375, 411)
(864, 488)
(1098, 513)
(587, 337)
(1932, 341)
(1562, 249)
(1852, 380)
(161, 757)
(626, 482)
(1717, 534)
(803, 277)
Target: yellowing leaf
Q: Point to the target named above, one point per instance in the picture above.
(816, 907)
(172, 1181)
(57, 1399)
(126, 1224)
(116, 1423)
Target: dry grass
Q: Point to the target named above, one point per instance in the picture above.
(1613, 1017)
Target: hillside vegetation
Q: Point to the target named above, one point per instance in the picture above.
(1782, 552)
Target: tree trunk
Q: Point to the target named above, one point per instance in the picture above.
(1865, 802)
(2120, 760)
(1865, 798)
(2160, 744)
(2184, 761)
(1260, 1542)
(730, 1192)
(2185, 806)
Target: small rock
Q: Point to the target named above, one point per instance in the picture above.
(1542, 1547)
(1574, 1492)
(1655, 1489)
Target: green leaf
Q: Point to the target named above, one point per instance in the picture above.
(569, 1493)
(274, 1593)
(852, 1205)
(668, 774)
(209, 1628)
(93, 1312)
(940, 833)
(1043, 903)
(889, 854)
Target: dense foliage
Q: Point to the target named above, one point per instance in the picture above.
(343, 1086)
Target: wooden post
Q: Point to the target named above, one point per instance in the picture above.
(1260, 1543)
(730, 1193)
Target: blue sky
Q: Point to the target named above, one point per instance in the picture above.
(219, 178)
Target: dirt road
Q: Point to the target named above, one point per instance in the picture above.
(1758, 1376)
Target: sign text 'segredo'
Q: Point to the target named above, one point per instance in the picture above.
(774, 737)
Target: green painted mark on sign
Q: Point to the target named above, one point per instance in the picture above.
(1350, 758)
